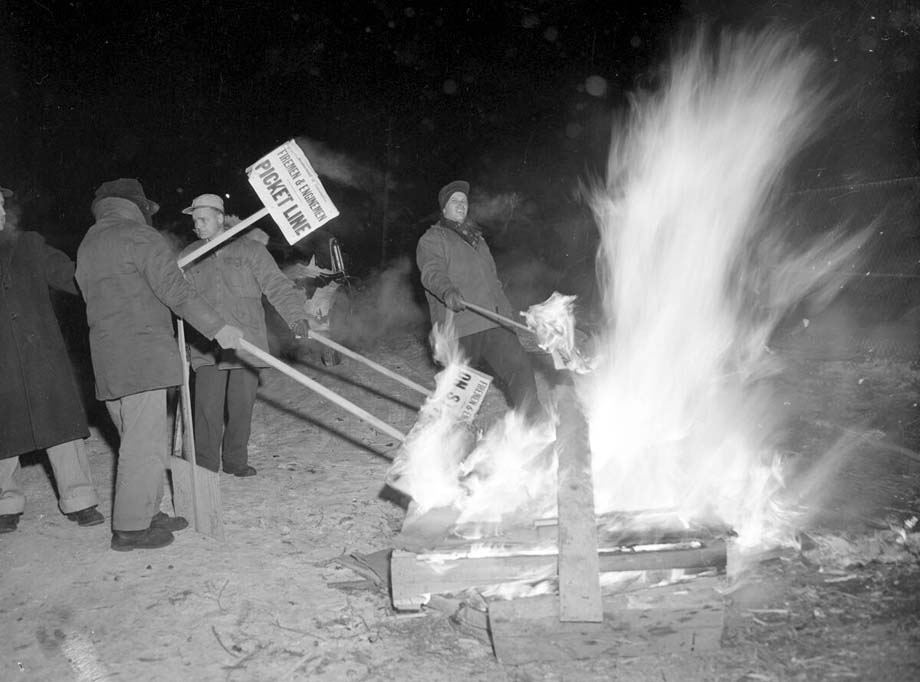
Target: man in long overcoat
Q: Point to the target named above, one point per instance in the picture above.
(130, 280)
(40, 405)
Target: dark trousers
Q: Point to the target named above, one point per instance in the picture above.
(505, 359)
(223, 416)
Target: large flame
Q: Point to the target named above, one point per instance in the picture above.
(695, 280)
(696, 275)
(505, 474)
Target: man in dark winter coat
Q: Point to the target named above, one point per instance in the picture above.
(456, 265)
(233, 278)
(40, 406)
(130, 281)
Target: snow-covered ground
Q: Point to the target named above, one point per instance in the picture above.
(264, 605)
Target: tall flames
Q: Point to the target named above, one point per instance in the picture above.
(695, 274)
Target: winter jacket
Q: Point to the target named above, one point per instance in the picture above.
(40, 403)
(130, 281)
(232, 278)
(447, 261)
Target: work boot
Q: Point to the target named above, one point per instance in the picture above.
(149, 538)
(242, 473)
(86, 517)
(170, 523)
(9, 522)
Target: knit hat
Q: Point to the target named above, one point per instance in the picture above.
(130, 189)
(451, 187)
(7, 193)
(205, 201)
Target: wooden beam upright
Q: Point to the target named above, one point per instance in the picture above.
(579, 576)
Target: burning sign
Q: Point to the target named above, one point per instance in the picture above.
(291, 191)
(467, 389)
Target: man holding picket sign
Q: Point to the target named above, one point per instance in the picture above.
(233, 279)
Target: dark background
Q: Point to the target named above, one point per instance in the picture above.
(184, 97)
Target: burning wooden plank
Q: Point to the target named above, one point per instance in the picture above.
(684, 617)
(414, 577)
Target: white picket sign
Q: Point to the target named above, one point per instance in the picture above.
(292, 192)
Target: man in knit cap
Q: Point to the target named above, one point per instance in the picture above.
(456, 265)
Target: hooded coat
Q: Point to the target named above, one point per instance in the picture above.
(129, 278)
(448, 261)
(40, 404)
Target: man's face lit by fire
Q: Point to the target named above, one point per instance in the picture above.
(209, 222)
(456, 207)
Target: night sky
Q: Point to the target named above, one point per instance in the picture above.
(515, 96)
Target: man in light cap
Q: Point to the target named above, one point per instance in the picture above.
(130, 281)
(40, 404)
(456, 266)
(233, 278)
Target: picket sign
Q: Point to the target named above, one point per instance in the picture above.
(292, 194)
(467, 391)
(291, 190)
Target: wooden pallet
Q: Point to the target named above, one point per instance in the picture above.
(579, 621)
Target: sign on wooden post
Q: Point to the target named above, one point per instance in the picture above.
(291, 190)
(291, 193)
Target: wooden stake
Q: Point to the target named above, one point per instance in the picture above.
(197, 490)
(317, 387)
(507, 321)
(579, 583)
(370, 363)
(217, 241)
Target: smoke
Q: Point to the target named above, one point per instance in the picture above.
(489, 208)
(385, 304)
(696, 275)
(339, 167)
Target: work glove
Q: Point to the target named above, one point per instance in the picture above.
(229, 336)
(301, 330)
(453, 300)
(324, 279)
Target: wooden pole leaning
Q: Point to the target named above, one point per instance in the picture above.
(501, 319)
(370, 363)
(196, 492)
(317, 387)
(192, 256)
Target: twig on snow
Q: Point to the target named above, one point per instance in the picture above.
(222, 645)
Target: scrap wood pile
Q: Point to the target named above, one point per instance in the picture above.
(658, 587)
